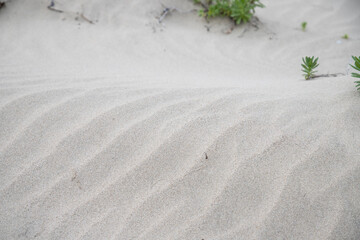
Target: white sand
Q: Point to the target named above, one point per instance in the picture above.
(104, 127)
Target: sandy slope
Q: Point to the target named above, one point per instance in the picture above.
(131, 129)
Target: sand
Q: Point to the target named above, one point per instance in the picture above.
(128, 128)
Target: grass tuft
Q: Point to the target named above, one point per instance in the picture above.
(241, 11)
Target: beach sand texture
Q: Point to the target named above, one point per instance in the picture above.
(128, 128)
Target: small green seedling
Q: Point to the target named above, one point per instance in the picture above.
(309, 64)
(303, 26)
(356, 66)
(345, 36)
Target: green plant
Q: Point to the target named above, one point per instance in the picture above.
(303, 26)
(356, 66)
(345, 36)
(237, 10)
(309, 64)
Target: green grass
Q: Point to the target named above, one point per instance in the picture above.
(309, 64)
(356, 66)
(240, 11)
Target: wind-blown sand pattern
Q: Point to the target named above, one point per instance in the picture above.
(132, 129)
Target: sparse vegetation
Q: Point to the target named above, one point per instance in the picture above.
(356, 66)
(345, 36)
(241, 11)
(303, 26)
(309, 64)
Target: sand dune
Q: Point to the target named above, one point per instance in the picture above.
(132, 129)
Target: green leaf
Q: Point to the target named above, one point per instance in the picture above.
(356, 75)
(355, 67)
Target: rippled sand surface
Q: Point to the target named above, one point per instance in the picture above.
(131, 129)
